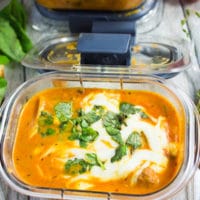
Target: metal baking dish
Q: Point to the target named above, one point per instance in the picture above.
(91, 79)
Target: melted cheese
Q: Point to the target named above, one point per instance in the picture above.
(104, 146)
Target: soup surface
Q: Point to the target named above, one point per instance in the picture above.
(111, 5)
(99, 139)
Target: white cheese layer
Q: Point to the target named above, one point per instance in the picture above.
(104, 147)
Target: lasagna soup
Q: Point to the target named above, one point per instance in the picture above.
(99, 139)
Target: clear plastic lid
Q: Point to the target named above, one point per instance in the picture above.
(165, 57)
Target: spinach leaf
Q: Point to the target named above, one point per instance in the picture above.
(76, 166)
(4, 59)
(9, 43)
(3, 86)
(134, 140)
(14, 42)
(21, 34)
(63, 111)
(119, 153)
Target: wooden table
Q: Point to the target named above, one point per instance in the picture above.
(189, 81)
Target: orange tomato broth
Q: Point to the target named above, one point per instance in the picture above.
(110, 5)
(27, 150)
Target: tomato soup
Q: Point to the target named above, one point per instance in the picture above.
(99, 139)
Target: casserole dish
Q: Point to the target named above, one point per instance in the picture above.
(188, 138)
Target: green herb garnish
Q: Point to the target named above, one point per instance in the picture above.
(93, 160)
(119, 153)
(76, 166)
(63, 111)
(134, 140)
(45, 119)
(48, 132)
(79, 166)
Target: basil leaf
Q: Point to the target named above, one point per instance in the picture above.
(128, 108)
(45, 118)
(115, 134)
(63, 111)
(76, 166)
(89, 134)
(92, 159)
(119, 153)
(134, 140)
(111, 119)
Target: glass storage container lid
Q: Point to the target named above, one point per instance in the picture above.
(61, 14)
(185, 149)
(110, 53)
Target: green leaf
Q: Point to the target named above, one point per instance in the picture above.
(4, 60)
(16, 10)
(92, 159)
(76, 166)
(63, 111)
(21, 34)
(128, 108)
(134, 140)
(119, 153)
(3, 87)
(9, 43)
(111, 119)
(89, 134)
(45, 118)
(48, 132)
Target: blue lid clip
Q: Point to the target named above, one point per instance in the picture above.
(105, 48)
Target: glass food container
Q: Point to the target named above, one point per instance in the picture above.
(110, 5)
(78, 16)
(91, 79)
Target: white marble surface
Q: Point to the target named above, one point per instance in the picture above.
(189, 81)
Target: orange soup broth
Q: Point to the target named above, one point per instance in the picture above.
(45, 171)
(110, 5)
